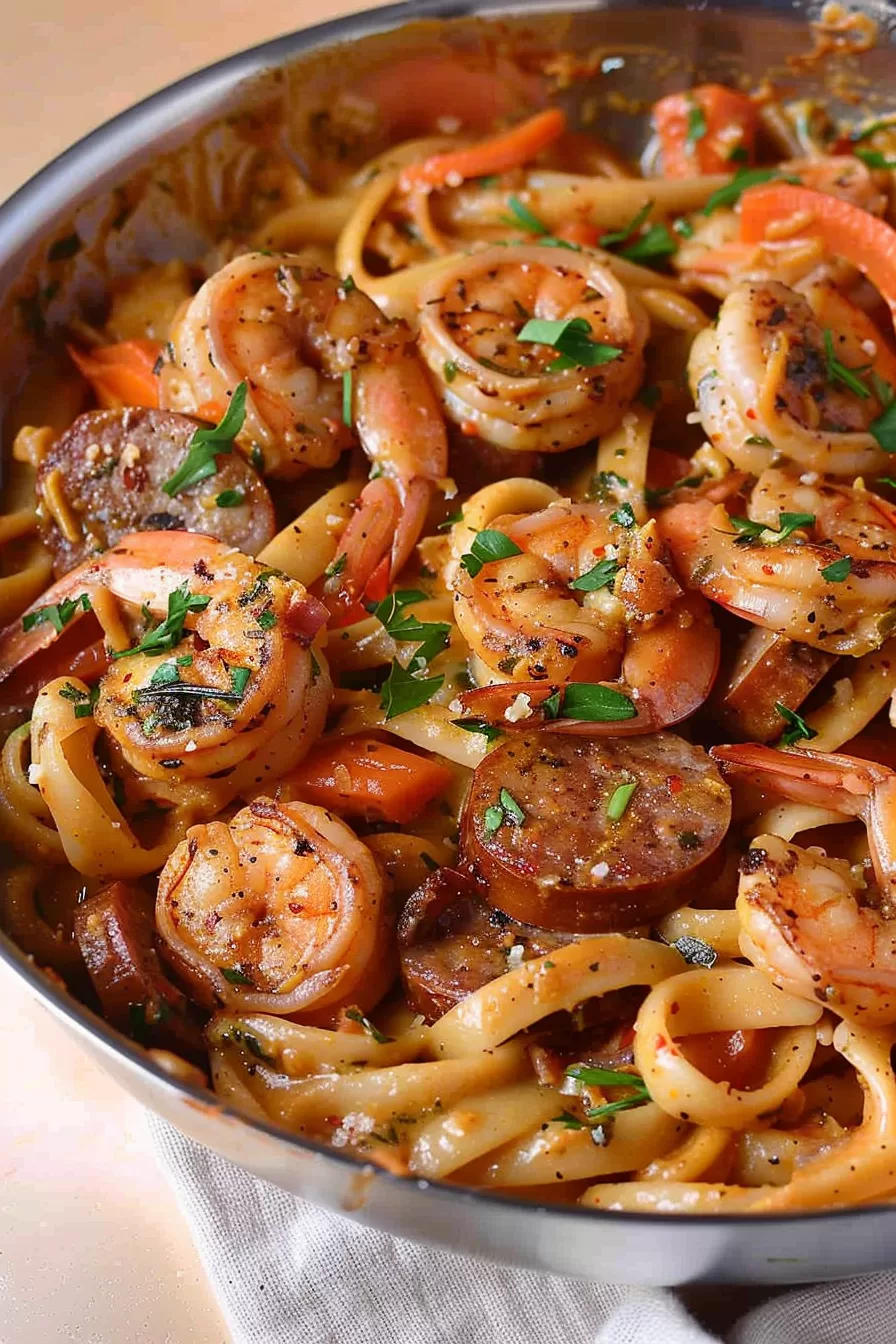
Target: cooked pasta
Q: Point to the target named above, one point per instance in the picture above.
(446, 667)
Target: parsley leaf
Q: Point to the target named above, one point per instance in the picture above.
(402, 691)
(656, 242)
(524, 217)
(595, 703)
(797, 728)
(618, 804)
(207, 444)
(696, 124)
(488, 731)
(355, 1015)
(730, 194)
(230, 499)
(234, 976)
(570, 336)
(622, 235)
(841, 373)
(788, 523)
(838, 570)
(347, 398)
(600, 576)
(507, 809)
(239, 680)
(597, 1077)
(432, 636)
(624, 516)
(884, 427)
(485, 547)
(57, 614)
(874, 159)
(168, 633)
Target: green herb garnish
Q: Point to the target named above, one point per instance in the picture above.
(207, 444)
(797, 728)
(624, 516)
(597, 1077)
(485, 547)
(507, 809)
(58, 614)
(234, 976)
(347, 398)
(600, 576)
(431, 636)
(449, 369)
(523, 216)
(622, 235)
(730, 194)
(696, 124)
(594, 703)
(838, 570)
(841, 373)
(571, 337)
(487, 730)
(403, 691)
(230, 499)
(616, 807)
(168, 633)
(355, 1015)
(788, 523)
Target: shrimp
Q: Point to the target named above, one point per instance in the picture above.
(715, 258)
(826, 584)
(801, 921)
(763, 383)
(534, 626)
(228, 682)
(280, 910)
(509, 391)
(321, 364)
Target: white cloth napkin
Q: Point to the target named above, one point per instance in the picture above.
(287, 1272)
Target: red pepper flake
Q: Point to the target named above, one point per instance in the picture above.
(751, 415)
(295, 909)
(768, 569)
(674, 783)
(212, 921)
(673, 1008)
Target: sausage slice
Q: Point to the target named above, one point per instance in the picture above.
(769, 669)
(452, 943)
(109, 468)
(116, 930)
(558, 845)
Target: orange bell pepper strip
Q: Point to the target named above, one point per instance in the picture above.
(121, 375)
(499, 154)
(847, 231)
(364, 777)
(700, 130)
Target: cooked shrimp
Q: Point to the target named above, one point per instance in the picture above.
(533, 625)
(280, 910)
(506, 390)
(832, 590)
(237, 687)
(800, 916)
(321, 364)
(715, 258)
(763, 386)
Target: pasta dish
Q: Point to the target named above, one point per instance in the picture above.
(448, 643)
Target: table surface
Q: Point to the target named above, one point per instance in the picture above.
(90, 1234)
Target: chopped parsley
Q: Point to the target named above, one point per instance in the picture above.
(485, 547)
(589, 701)
(696, 124)
(168, 633)
(597, 1077)
(624, 516)
(230, 499)
(864, 132)
(355, 1015)
(234, 976)
(788, 523)
(267, 618)
(884, 427)
(207, 444)
(449, 370)
(622, 235)
(58, 614)
(683, 227)
(239, 680)
(657, 242)
(571, 337)
(431, 636)
(335, 567)
(730, 194)
(797, 729)
(347, 398)
(838, 570)
(618, 804)
(524, 217)
(841, 373)
(487, 730)
(83, 701)
(599, 576)
(403, 691)
(874, 159)
(506, 810)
